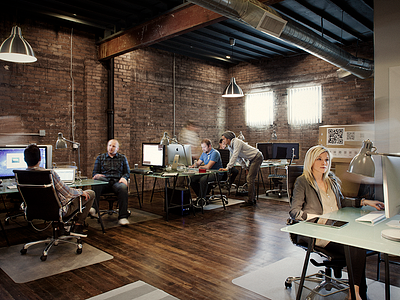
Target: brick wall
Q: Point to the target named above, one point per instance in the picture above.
(39, 95)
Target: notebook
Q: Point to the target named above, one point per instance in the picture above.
(67, 175)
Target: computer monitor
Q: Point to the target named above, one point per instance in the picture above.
(185, 156)
(279, 150)
(12, 158)
(391, 185)
(153, 155)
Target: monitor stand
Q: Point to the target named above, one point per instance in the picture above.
(391, 234)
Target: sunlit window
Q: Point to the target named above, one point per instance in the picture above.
(259, 109)
(305, 105)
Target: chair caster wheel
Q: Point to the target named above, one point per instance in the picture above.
(23, 251)
(78, 251)
(288, 282)
(43, 257)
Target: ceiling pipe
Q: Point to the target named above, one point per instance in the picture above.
(258, 15)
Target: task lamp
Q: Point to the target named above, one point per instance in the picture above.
(363, 163)
(166, 139)
(16, 49)
(61, 144)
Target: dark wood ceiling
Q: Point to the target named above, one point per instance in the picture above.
(341, 22)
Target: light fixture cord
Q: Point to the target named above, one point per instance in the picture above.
(72, 95)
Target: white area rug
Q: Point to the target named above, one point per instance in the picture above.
(61, 258)
(138, 290)
(218, 204)
(270, 280)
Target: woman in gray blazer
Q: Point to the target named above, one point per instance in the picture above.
(317, 191)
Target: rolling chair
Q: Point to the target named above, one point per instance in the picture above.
(41, 202)
(331, 261)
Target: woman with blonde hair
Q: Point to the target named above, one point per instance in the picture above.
(318, 191)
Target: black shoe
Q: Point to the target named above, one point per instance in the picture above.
(77, 230)
(246, 204)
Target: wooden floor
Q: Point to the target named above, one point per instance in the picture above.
(191, 257)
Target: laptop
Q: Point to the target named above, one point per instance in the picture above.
(67, 175)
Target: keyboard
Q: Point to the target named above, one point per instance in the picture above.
(141, 171)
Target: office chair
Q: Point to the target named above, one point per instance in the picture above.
(332, 261)
(41, 202)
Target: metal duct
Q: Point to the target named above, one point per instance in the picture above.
(257, 15)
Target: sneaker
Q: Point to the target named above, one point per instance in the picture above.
(123, 222)
(246, 204)
(77, 230)
(93, 213)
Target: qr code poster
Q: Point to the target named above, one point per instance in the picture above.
(335, 136)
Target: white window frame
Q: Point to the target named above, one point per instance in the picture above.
(260, 109)
(305, 105)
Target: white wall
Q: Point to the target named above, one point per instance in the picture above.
(387, 75)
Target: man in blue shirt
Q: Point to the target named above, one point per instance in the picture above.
(210, 159)
(113, 167)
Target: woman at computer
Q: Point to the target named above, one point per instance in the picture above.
(317, 191)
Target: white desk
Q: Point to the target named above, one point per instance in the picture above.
(353, 234)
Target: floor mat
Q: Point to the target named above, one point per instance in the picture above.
(61, 258)
(110, 221)
(138, 290)
(218, 204)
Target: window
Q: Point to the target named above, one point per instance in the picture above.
(259, 109)
(305, 105)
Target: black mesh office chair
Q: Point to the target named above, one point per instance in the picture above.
(41, 202)
(331, 261)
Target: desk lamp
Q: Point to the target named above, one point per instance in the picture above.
(363, 164)
(61, 144)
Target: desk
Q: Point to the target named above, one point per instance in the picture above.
(353, 234)
(185, 175)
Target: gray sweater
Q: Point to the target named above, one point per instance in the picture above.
(307, 200)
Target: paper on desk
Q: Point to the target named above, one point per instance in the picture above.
(372, 218)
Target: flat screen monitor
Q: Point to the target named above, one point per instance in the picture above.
(153, 155)
(279, 150)
(185, 156)
(12, 158)
(391, 185)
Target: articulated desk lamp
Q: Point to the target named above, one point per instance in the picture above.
(61, 144)
(363, 164)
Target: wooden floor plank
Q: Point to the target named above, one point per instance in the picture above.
(190, 257)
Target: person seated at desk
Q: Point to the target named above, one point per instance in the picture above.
(318, 191)
(210, 159)
(113, 167)
(64, 192)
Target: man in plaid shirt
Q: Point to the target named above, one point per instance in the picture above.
(113, 167)
(69, 197)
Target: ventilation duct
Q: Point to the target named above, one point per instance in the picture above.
(257, 15)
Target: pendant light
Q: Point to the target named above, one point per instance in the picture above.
(16, 49)
(232, 90)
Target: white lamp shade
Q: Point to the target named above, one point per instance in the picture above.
(61, 143)
(233, 90)
(363, 163)
(16, 49)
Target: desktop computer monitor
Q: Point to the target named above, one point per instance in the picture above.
(12, 158)
(279, 150)
(391, 185)
(185, 154)
(153, 155)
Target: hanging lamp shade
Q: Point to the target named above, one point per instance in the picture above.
(16, 49)
(233, 90)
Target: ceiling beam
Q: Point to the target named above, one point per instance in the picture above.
(186, 18)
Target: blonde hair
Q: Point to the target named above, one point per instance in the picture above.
(311, 156)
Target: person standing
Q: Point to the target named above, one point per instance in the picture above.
(240, 152)
(113, 167)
